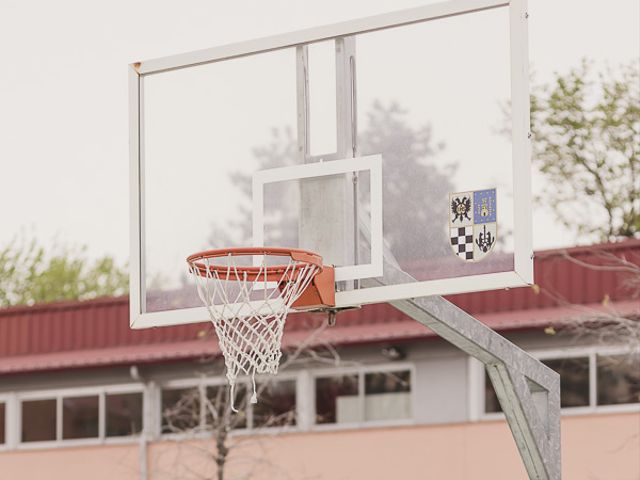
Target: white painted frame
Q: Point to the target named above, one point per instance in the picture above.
(58, 395)
(522, 273)
(5, 399)
(477, 382)
(370, 163)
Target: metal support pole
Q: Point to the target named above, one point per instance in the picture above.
(327, 221)
(528, 390)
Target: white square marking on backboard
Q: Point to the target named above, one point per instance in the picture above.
(371, 163)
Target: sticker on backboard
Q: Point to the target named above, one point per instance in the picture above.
(473, 225)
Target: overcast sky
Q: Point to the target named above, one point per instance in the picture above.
(63, 91)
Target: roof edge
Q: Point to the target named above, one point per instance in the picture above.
(65, 305)
(629, 243)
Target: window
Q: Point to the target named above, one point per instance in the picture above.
(277, 405)
(77, 414)
(618, 379)
(123, 414)
(574, 383)
(38, 420)
(337, 399)
(200, 407)
(180, 409)
(341, 399)
(574, 380)
(80, 417)
(387, 395)
(2, 423)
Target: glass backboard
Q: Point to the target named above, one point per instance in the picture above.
(396, 146)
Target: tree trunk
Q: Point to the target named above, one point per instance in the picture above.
(222, 452)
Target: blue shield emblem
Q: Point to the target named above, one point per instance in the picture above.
(473, 223)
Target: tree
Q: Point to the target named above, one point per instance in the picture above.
(281, 151)
(608, 326)
(413, 186)
(29, 274)
(227, 457)
(586, 144)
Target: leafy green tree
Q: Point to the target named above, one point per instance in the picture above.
(29, 274)
(586, 144)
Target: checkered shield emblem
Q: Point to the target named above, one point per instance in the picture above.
(473, 224)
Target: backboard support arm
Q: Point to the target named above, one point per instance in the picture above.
(528, 390)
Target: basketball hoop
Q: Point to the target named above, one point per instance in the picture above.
(248, 304)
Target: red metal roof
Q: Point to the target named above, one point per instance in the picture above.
(96, 332)
(562, 279)
(392, 331)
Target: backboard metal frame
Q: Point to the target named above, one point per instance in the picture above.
(522, 273)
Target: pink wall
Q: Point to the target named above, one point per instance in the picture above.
(595, 447)
(72, 463)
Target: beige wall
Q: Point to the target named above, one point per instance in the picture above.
(595, 447)
(72, 463)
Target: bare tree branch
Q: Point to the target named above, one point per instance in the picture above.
(608, 324)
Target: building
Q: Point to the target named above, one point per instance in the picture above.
(83, 396)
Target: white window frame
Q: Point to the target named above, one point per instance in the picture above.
(121, 389)
(181, 383)
(6, 399)
(477, 381)
(361, 371)
(58, 395)
(202, 383)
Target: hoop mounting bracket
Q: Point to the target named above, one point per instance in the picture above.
(320, 293)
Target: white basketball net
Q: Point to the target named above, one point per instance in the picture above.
(249, 314)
